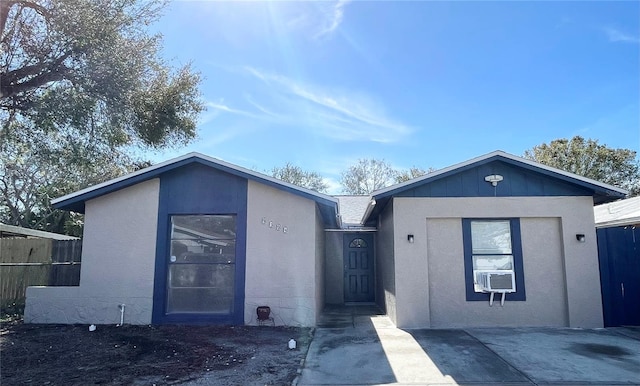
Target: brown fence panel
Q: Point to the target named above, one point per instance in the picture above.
(33, 262)
(23, 263)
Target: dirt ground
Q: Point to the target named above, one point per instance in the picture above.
(149, 355)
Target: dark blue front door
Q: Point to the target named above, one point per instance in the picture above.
(358, 268)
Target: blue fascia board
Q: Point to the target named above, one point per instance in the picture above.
(329, 207)
(601, 193)
(596, 189)
(77, 202)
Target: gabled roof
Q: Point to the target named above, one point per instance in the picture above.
(75, 201)
(352, 208)
(601, 192)
(618, 213)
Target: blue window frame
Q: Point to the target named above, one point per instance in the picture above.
(195, 191)
(493, 244)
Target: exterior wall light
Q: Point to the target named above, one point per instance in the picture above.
(494, 179)
(410, 239)
(580, 237)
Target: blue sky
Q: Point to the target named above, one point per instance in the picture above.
(427, 84)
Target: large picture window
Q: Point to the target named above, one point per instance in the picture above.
(202, 261)
(492, 246)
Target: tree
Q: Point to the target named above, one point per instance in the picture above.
(27, 187)
(82, 89)
(366, 176)
(588, 158)
(411, 173)
(90, 66)
(295, 175)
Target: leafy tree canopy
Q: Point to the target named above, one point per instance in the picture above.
(366, 176)
(588, 158)
(295, 175)
(411, 173)
(82, 89)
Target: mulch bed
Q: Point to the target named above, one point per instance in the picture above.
(72, 355)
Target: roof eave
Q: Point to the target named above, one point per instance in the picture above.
(75, 201)
(597, 186)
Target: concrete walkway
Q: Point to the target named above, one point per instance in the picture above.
(358, 346)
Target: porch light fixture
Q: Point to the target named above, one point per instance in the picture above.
(494, 179)
(580, 237)
(410, 239)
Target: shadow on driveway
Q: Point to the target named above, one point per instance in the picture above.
(356, 348)
(346, 349)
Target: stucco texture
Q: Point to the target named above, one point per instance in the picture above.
(561, 274)
(334, 268)
(117, 263)
(282, 266)
(385, 265)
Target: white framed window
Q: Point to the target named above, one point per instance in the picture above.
(492, 249)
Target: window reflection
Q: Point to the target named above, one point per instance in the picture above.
(202, 260)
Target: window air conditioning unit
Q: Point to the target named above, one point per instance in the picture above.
(497, 281)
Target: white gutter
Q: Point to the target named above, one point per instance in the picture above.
(368, 211)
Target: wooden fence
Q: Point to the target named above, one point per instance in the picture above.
(30, 262)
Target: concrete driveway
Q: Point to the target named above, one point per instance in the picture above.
(357, 348)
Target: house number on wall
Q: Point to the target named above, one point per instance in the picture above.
(278, 227)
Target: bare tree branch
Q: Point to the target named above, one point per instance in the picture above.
(5, 8)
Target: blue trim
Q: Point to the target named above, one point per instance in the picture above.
(520, 180)
(328, 208)
(198, 189)
(594, 189)
(619, 261)
(610, 302)
(516, 245)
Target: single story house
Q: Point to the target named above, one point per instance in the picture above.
(618, 231)
(494, 241)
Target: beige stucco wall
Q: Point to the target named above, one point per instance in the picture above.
(385, 264)
(334, 268)
(118, 259)
(561, 274)
(319, 264)
(281, 267)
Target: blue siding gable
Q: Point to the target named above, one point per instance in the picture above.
(192, 190)
(196, 189)
(327, 205)
(522, 178)
(517, 182)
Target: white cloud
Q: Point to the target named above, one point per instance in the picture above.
(616, 35)
(333, 186)
(334, 18)
(279, 101)
(224, 108)
(341, 115)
